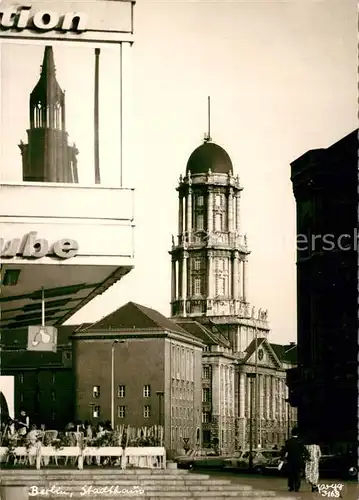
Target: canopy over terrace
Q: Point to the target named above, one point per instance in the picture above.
(75, 251)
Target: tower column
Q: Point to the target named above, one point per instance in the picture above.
(174, 280)
(210, 275)
(210, 212)
(261, 396)
(245, 280)
(280, 400)
(273, 397)
(184, 281)
(235, 274)
(180, 214)
(242, 393)
(238, 205)
(230, 210)
(189, 212)
(267, 393)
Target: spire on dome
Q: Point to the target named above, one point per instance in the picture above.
(207, 136)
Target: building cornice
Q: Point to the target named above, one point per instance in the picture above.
(138, 334)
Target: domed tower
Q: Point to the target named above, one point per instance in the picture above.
(210, 256)
(48, 157)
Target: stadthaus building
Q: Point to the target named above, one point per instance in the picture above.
(210, 258)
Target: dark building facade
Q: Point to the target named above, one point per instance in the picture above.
(47, 157)
(324, 385)
(43, 380)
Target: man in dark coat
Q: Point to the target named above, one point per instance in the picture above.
(294, 451)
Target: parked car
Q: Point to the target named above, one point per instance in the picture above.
(261, 460)
(205, 458)
(234, 461)
(340, 466)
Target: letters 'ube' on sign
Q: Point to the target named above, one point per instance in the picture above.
(32, 247)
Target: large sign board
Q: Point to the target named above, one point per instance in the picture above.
(102, 21)
(32, 247)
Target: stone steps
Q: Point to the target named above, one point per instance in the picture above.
(145, 484)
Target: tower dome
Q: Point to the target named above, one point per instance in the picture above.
(209, 156)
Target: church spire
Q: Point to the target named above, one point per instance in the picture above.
(47, 100)
(48, 68)
(48, 157)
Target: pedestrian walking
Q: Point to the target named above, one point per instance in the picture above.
(294, 451)
(312, 463)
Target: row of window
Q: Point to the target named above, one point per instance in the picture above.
(121, 391)
(182, 363)
(121, 411)
(221, 285)
(182, 413)
(219, 200)
(37, 396)
(220, 264)
(218, 222)
(21, 378)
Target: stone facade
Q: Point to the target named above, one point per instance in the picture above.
(210, 286)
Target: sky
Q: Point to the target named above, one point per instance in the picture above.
(282, 76)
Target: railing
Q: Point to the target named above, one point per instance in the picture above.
(142, 457)
(217, 238)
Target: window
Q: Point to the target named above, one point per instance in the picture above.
(205, 395)
(96, 391)
(197, 265)
(68, 355)
(220, 265)
(53, 415)
(206, 372)
(21, 378)
(197, 286)
(53, 377)
(121, 391)
(220, 286)
(200, 222)
(146, 391)
(96, 412)
(218, 200)
(146, 411)
(200, 201)
(121, 411)
(53, 395)
(218, 222)
(205, 417)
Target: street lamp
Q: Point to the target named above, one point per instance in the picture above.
(251, 377)
(116, 341)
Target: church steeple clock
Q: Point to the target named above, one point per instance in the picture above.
(48, 157)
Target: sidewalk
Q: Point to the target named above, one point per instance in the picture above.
(279, 485)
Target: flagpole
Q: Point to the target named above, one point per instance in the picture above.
(43, 306)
